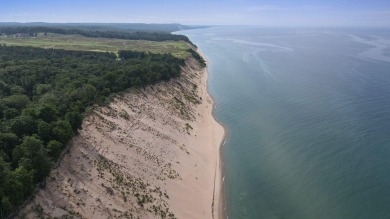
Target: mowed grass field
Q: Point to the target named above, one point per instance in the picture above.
(76, 42)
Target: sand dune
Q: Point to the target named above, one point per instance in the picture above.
(150, 153)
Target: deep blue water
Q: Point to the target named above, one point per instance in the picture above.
(308, 119)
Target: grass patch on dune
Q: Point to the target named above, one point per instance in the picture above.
(81, 43)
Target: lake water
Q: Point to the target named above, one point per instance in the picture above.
(308, 119)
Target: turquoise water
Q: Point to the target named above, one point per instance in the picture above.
(308, 119)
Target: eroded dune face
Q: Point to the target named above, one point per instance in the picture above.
(151, 153)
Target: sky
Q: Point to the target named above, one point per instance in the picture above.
(202, 12)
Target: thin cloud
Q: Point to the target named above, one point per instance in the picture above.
(277, 8)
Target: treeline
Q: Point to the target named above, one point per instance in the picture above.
(43, 95)
(197, 57)
(151, 36)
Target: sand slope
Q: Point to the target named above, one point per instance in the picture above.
(151, 153)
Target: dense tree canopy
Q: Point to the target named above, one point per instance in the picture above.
(43, 95)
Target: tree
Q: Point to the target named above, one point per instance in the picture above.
(47, 112)
(62, 131)
(5, 207)
(10, 113)
(23, 125)
(44, 130)
(32, 155)
(8, 141)
(23, 181)
(75, 119)
(41, 89)
(55, 148)
(15, 101)
(5, 170)
(88, 93)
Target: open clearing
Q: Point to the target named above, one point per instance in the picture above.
(77, 42)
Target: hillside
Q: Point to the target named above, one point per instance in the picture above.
(44, 96)
(151, 153)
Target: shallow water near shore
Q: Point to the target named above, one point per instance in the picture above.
(308, 117)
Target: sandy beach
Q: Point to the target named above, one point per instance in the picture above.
(151, 153)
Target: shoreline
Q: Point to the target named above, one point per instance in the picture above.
(219, 180)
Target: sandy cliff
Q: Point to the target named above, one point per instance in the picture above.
(150, 153)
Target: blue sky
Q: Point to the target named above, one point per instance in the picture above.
(213, 12)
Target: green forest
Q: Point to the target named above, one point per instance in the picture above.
(44, 94)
